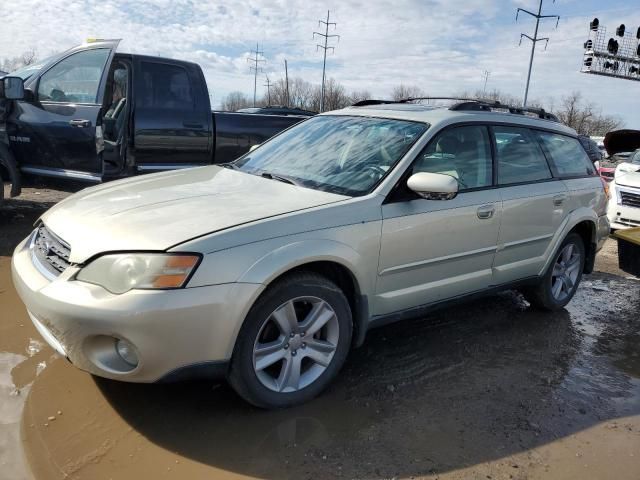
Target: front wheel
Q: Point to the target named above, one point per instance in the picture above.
(293, 342)
(561, 280)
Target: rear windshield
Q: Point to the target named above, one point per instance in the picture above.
(339, 154)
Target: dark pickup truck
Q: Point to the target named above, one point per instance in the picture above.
(93, 114)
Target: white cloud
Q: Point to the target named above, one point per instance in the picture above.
(440, 45)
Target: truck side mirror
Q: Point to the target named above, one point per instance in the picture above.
(12, 88)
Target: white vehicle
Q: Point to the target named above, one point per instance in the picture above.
(624, 205)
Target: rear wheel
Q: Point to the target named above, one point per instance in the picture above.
(293, 343)
(561, 280)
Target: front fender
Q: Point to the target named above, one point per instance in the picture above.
(292, 255)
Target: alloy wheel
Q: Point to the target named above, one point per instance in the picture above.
(565, 272)
(295, 344)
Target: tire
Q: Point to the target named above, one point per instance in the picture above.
(302, 323)
(551, 295)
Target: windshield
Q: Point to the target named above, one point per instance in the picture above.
(26, 72)
(338, 154)
(635, 157)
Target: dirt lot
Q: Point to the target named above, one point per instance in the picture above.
(486, 390)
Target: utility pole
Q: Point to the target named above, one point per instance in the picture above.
(534, 40)
(256, 60)
(324, 47)
(268, 85)
(286, 76)
(485, 75)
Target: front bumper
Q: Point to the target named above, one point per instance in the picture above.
(169, 329)
(622, 216)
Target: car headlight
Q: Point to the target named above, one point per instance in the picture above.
(122, 272)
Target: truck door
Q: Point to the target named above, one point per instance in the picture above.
(172, 116)
(54, 133)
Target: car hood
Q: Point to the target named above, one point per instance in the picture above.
(628, 174)
(158, 211)
(620, 141)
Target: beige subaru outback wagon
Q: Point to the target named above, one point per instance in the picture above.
(268, 270)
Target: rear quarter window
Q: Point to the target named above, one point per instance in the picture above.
(566, 154)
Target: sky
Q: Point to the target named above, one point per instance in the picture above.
(442, 46)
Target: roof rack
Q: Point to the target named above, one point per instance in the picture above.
(470, 104)
(365, 103)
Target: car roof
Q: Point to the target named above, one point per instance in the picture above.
(435, 116)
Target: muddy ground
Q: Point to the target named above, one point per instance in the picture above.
(486, 390)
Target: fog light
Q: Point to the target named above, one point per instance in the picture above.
(127, 352)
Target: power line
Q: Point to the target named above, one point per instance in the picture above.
(485, 76)
(326, 37)
(534, 40)
(286, 76)
(268, 84)
(256, 60)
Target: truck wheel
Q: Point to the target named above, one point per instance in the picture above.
(561, 280)
(294, 341)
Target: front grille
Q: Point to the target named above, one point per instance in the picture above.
(630, 199)
(628, 221)
(50, 251)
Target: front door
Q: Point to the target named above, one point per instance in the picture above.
(432, 250)
(57, 128)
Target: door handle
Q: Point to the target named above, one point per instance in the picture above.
(192, 125)
(486, 211)
(559, 199)
(80, 123)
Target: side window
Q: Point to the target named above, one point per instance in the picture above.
(566, 154)
(75, 79)
(165, 86)
(520, 158)
(462, 152)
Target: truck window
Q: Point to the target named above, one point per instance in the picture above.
(75, 79)
(165, 86)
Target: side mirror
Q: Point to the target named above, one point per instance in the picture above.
(12, 88)
(253, 147)
(433, 186)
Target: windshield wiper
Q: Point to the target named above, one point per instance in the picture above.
(280, 178)
(230, 165)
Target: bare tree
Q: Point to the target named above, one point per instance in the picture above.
(235, 101)
(359, 95)
(335, 95)
(585, 118)
(400, 92)
(26, 58)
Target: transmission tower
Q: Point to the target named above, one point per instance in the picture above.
(268, 84)
(256, 60)
(485, 77)
(324, 47)
(534, 40)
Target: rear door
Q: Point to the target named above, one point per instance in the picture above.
(571, 164)
(172, 116)
(57, 129)
(534, 203)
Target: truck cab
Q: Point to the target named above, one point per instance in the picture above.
(93, 114)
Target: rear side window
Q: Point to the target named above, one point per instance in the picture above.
(566, 154)
(520, 158)
(165, 86)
